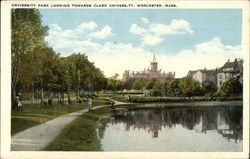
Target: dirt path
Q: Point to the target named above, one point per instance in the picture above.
(38, 137)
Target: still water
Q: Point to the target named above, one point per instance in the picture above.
(204, 129)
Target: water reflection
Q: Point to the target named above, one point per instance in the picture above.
(224, 121)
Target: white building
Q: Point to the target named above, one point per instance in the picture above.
(203, 75)
(219, 76)
(230, 70)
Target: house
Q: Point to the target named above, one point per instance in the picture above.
(219, 76)
(230, 70)
(203, 75)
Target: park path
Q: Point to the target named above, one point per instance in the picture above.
(116, 102)
(38, 137)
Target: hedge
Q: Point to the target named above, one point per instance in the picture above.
(181, 99)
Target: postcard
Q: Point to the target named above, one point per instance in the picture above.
(126, 79)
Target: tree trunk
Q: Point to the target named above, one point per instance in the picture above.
(63, 97)
(59, 98)
(69, 101)
(42, 100)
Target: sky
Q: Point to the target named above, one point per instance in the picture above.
(126, 39)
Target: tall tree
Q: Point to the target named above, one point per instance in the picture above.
(27, 34)
(114, 83)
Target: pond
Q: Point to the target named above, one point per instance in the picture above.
(175, 129)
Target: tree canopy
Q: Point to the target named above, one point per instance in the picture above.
(37, 68)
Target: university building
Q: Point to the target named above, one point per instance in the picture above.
(150, 73)
(220, 75)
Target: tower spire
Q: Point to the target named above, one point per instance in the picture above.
(154, 59)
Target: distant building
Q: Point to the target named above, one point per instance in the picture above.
(230, 70)
(150, 73)
(203, 75)
(219, 76)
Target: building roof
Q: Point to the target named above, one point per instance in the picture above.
(191, 73)
(229, 65)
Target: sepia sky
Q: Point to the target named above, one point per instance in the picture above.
(125, 39)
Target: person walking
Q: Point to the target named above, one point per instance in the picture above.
(90, 101)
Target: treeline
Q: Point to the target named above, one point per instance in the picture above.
(37, 70)
(184, 87)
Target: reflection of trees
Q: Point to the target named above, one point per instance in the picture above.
(226, 120)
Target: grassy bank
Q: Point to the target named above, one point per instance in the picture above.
(134, 99)
(34, 114)
(80, 135)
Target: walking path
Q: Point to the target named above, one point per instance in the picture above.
(38, 137)
(116, 102)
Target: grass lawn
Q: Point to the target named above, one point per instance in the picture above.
(34, 114)
(80, 135)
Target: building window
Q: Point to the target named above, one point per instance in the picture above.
(220, 77)
(220, 83)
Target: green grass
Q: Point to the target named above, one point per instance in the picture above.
(101, 101)
(80, 135)
(34, 114)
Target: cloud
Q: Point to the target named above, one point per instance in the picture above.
(76, 40)
(55, 27)
(127, 57)
(135, 29)
(210, 54)
(152, 40)
(144, 20)
(116, 57)
(153, 35)
(175, 27)
(104, 33)
(86, 26)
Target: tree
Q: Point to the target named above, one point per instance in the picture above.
(128, 84)
(114, 83)
(158, 89)
(231, 87)
(139, 84)
(208, 86)
(172, 88)
(27, 34)
(190, 87)
(150, 84)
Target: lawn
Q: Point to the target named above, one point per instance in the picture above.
(81, 135)
(34, 114)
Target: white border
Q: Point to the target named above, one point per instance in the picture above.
(6, 91)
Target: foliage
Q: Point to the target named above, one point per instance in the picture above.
(136, 99)
(139, 84)
(27, 34)
(208, 86)
(114, 83)
(37, 68)
(128, 84)
(150, 84)
(158, 89)
(231, 87)
(172, 88)
(190, 87)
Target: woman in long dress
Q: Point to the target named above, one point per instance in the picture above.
(90, 103)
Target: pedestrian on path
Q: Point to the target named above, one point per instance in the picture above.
(90, 101)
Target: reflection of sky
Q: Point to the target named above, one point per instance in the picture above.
(169, 139)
